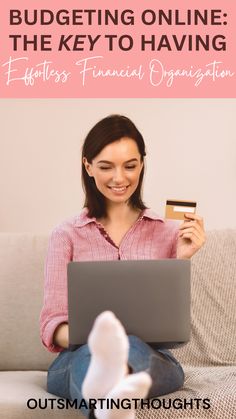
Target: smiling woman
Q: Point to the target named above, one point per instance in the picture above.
(116, 173)
(114, 224)
(115, 161)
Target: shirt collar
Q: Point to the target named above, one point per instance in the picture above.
(148, 213)
(83, 218)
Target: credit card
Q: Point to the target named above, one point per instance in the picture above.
(176, 209)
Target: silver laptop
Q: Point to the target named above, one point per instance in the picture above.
(150, 297)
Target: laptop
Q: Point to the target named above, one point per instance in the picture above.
(151, 298)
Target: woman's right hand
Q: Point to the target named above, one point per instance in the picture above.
(61, 336)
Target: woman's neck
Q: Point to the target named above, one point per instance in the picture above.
(120, 214)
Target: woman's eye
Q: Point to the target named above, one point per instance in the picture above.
(109, 168)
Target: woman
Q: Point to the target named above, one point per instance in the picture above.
(115, 224)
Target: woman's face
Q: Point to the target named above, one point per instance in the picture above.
(116, 170)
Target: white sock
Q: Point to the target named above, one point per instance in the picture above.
(109, 347)
(131, 387)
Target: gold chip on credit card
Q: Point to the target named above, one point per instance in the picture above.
(176, 209)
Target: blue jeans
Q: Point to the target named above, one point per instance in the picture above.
(67, 372)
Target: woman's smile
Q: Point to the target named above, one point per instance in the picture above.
(118, 189)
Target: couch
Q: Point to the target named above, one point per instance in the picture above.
(209, 359)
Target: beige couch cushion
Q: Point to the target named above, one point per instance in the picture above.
(215, 383)
(21, 283)
(16, 388)
(213, 283)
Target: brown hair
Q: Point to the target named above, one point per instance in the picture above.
(106, 131)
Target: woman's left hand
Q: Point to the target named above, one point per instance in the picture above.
(191, 236)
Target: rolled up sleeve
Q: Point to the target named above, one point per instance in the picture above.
(55, 305)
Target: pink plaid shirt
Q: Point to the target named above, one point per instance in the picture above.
(83, 239)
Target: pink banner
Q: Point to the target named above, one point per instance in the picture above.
(117, 49)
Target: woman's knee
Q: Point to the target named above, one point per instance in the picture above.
(139, 354)
(167, 375)
(68, 367)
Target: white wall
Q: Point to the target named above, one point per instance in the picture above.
(191, 148)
